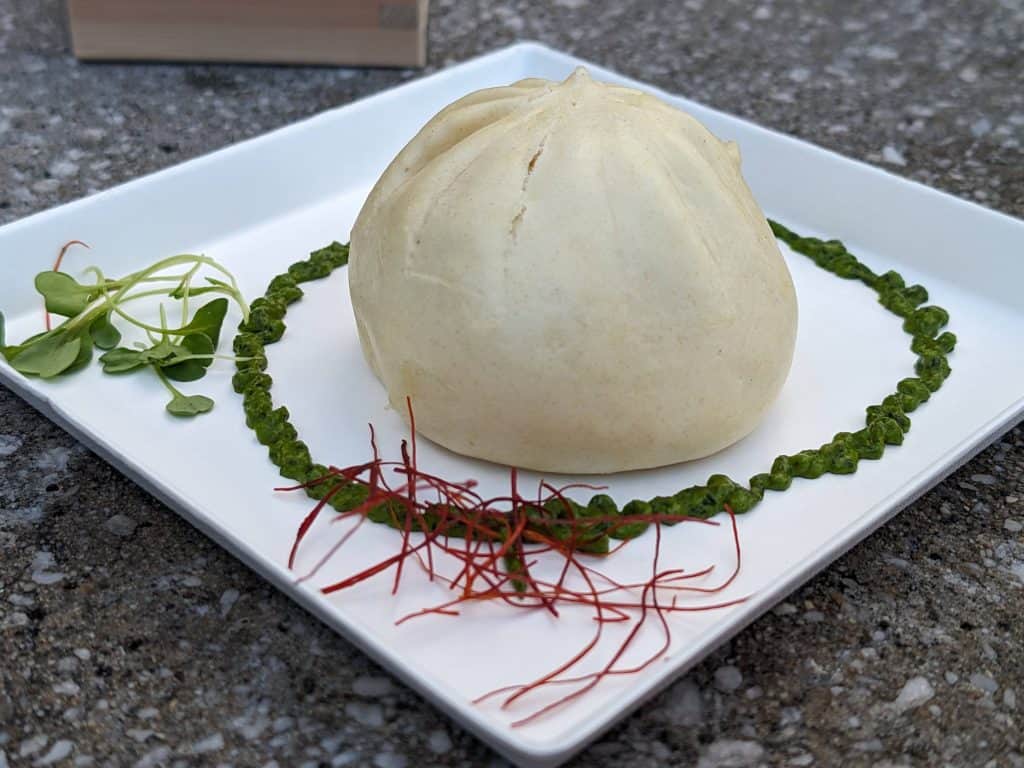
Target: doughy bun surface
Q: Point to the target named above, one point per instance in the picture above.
(572, 277)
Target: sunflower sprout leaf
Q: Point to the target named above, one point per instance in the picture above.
(208, 320)
(104, 334)
(63, 294)
(121, 360)
(187, 406)
(49, 356)
(189, 369)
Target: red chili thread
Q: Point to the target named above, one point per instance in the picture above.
(495, 529)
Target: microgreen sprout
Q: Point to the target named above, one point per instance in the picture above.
(89, 309)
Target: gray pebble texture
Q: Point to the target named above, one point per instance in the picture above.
(129, 639)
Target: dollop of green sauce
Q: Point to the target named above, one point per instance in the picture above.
(886, 422)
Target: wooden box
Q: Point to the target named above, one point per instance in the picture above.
(348, 32)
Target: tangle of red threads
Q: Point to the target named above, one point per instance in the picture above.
(501, 529)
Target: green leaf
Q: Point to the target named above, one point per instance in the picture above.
(11, 351)
(83, 359)
(63, 294)
(208, 320)
(51, 355)
(186, 406)
(190, 370)
(104, 334)
(162, 350)
(122, 360)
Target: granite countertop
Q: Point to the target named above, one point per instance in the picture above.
(127, 638)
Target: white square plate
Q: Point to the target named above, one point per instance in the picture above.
(265, 203)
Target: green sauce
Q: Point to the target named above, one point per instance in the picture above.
(886, 423)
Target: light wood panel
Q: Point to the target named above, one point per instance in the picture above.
(351, 32)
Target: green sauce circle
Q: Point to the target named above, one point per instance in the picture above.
(886, 423)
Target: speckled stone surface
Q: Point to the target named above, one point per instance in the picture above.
(127, 638)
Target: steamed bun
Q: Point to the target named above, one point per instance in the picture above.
(572, 277)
